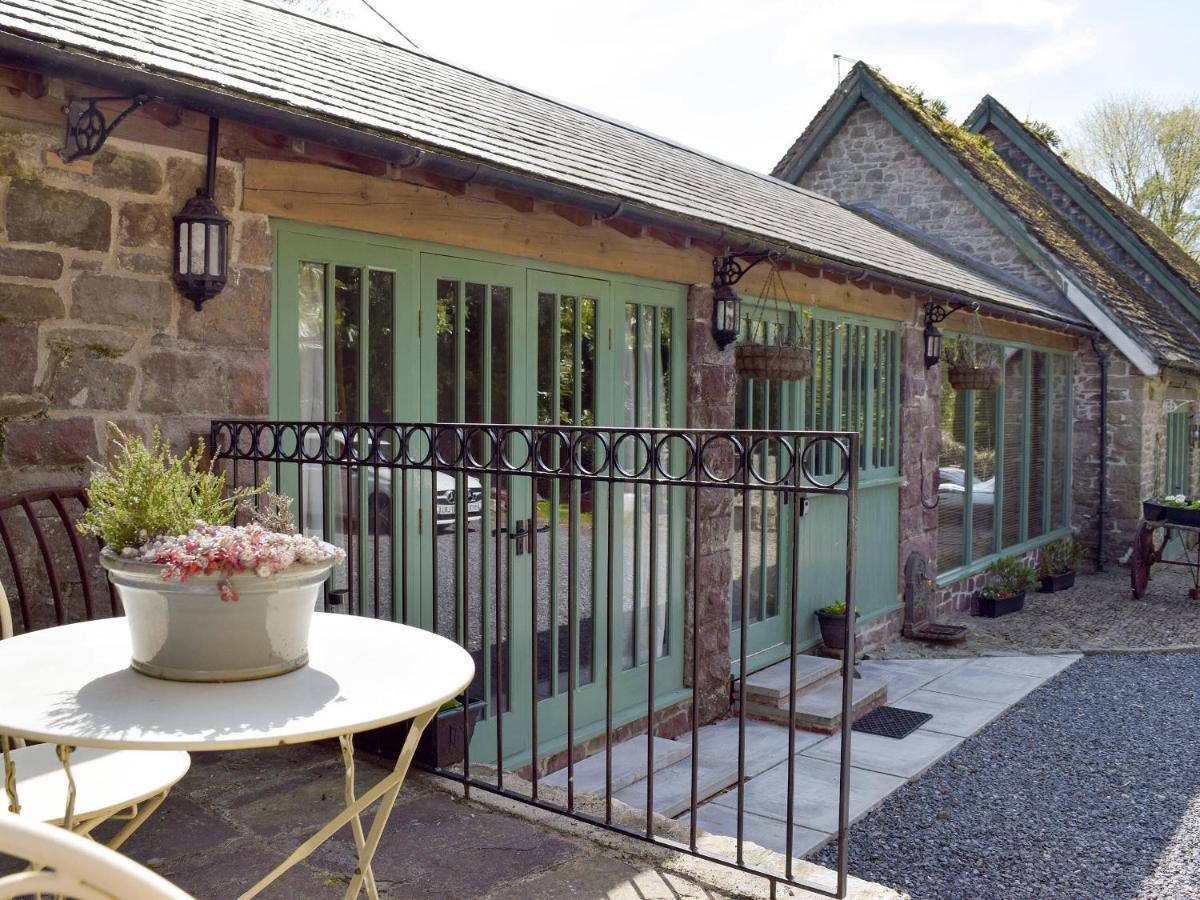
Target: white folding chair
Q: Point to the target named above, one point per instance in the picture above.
(62, 864)
(126, 785)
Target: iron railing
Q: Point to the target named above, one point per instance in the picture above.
(441, 547)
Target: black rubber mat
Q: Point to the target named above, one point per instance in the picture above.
(892, 722)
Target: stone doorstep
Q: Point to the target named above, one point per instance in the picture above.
(769, 686)
(820, 708)
(628, 765)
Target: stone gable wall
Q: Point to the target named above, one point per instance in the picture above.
(869, 161)
(91, 326)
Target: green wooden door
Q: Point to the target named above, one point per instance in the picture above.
(345, 346)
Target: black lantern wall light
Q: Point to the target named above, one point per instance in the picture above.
(728, 271)
(935, 314)
(201, 233)
(202, 237)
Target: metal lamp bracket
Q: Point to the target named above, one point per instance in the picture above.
(935, 313)
(87, 127)
(728, 270)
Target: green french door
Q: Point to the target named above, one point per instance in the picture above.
(515, 568)
(853, 386)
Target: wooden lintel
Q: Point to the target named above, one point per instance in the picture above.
(22, 81)
(522, 203)
(670, 238)
(584, 218)
(627, 228)
(438, 182)
(712, 249)
(163, 113)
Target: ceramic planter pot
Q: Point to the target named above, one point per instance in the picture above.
(1059, 582)
(995, 607)
(833, 630)
(184, 631)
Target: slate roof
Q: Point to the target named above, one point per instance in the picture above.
(315, 70)
(1152, 325)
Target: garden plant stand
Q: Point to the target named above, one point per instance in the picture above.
(1151, 539)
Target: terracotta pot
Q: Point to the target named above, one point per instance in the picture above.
(184, 631)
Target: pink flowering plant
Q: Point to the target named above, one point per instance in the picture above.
(151, 506)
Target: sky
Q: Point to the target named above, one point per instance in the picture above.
(740, 81)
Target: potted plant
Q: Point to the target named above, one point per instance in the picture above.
(1175, 509)
(1056, 567)
(832, 619)
(205, 600)
(1004, 590)
(975, 367)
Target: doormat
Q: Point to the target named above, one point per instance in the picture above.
(892, 722)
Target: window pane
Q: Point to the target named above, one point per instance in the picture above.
(1014, 445)
(381, 286)
(1037, 445)
(447, 329)
(1060, 418)
(952, 469)
(983, 481)
(347, 340)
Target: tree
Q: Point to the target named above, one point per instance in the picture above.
(1150, 157)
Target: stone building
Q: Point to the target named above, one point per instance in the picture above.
(412, 241)
(995, 195)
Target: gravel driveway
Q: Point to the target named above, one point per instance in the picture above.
(1088, 788)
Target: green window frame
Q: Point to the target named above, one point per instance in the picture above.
(1179, 453)
(1004, 476)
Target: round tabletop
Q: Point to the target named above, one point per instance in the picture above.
(73, 685)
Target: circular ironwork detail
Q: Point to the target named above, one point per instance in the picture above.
(600, 460)
(765, 443)
(690, 456)
(706, 467)
(483, 438)
(644, 443)
(806, 462)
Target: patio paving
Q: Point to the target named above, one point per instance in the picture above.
(964, 695)
(237, 815)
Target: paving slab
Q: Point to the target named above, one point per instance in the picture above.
(762, 830)
(628, 764)
(982, 683)
(962, 716)
(766, 742)
(907, 757)
(931, 667)
(604, 877)
(673, 785)
(1040, 666)
(815, 803)
(770, 685)
(900, 681)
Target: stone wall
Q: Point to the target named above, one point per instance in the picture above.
(711, 383)
(920, 447)
(869, 161)
(90, 323)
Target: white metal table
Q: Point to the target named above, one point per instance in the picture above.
(72, 686)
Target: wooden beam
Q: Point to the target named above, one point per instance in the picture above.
(163, 113)
(670, 238)
(522, 203)
(576, 215)
(627, 228)
(23, 81)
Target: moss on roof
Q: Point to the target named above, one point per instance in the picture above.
(1169, 339)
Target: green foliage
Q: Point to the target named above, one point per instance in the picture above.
(1008, 577)
(933, 112)
(837, 609)
(935, 105)
(1044, 132)
(1178, 501)
(1059, 556)
(147, 492)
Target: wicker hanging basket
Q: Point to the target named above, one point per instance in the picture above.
(781, 362)
(974, 378)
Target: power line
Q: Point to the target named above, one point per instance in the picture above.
(389, 24)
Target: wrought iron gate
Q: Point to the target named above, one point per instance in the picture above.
(664, 489)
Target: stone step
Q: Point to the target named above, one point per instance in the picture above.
(628, 764)
(769, 686)
(766, 746)
(819, 708)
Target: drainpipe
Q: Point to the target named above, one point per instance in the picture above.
(1102, 359)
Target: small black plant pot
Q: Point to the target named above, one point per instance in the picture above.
(442, 745)
(1152, 510)
(833, 630)
(995, 607)
(1059, 582)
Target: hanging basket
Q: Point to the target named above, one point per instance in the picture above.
(974, 378)
(782, 362)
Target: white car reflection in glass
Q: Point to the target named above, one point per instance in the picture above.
(952, 488)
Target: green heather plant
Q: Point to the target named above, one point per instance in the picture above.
(1059, 556)
(837, 609)
(147, 492)
(1008, 577)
